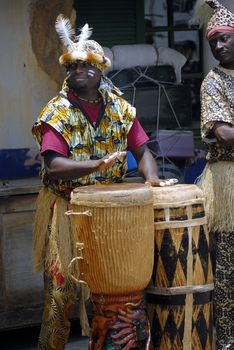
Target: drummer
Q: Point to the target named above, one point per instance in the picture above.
(83, 134)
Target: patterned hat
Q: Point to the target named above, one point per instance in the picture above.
(222, 20)
(215, 16)
(79, 47)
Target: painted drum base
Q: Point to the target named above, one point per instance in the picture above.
(119, 322)
(167, 318)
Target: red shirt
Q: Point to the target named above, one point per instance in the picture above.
(53, 141)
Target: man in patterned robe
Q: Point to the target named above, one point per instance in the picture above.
(217, 129)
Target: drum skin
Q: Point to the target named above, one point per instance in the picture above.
(118, 237)
(179, 296)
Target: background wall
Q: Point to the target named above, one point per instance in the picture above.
(28, 57)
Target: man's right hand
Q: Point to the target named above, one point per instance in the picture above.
(62, 168)
(109, 160)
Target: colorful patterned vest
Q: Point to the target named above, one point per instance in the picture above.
(85, 141)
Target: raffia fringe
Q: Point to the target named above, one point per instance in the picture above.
(41, 222)
(57, 246)
(217, 183)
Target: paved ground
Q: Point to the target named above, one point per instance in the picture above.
(26, 339)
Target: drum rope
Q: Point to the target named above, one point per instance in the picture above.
(175, 204)
(178, 224)
(167, 214)
(199, 288)
(79, 246)
(71, 212)
(187, 337)
(77, 280)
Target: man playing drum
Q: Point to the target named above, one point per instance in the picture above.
(83, 134)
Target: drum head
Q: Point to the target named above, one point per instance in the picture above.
(121, 194)
(173, 196)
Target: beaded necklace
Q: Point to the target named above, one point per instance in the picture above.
(97, 100)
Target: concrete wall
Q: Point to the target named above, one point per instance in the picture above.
(29, 69)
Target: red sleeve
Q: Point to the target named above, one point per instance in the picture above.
(53, 141)
(136, 136)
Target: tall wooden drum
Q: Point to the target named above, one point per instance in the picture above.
(114, 229)
(179, 296)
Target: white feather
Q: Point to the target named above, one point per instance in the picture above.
(84, 35)
(202, 13)
(65, 31)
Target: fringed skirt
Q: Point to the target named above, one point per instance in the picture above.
(54, 243)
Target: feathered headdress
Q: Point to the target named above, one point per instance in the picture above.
(78, 46)
(216, 16)
(202, 13)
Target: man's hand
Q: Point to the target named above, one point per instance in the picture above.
(147, 166)
(109, 160)
(156, 182)
(224, 133)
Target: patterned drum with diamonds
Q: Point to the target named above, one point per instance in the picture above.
(179, 296)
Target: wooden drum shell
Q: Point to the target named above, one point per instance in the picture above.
(118, 237)
(180, 293)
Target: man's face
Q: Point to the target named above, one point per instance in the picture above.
(82, 76)
(222, 47)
